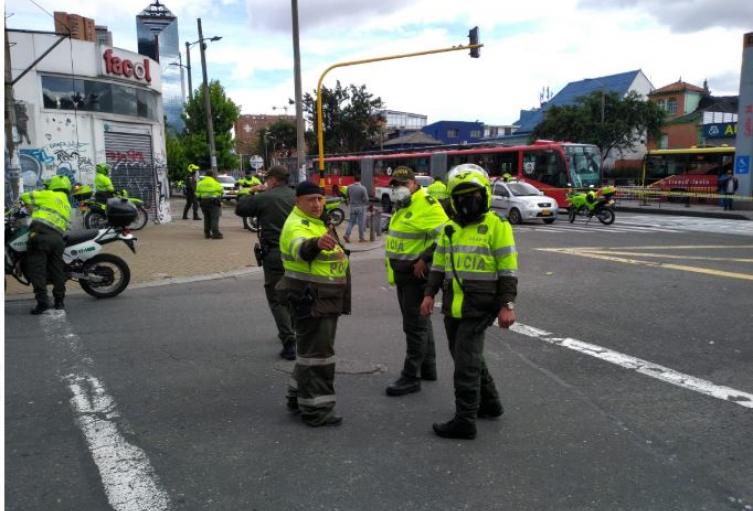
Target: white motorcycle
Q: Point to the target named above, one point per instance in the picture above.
(100, 274)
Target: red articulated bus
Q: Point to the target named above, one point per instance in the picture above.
(549, 166)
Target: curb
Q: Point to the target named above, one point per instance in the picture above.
(682, 212)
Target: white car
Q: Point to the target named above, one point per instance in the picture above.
(384, 193)
(229, 188)
(522, 201)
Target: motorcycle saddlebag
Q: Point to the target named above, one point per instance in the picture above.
(120, 212)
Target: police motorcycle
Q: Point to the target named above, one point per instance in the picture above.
(100, 275)
(333, 211)
(590, 204)
(94, 212)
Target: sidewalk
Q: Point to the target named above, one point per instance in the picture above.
(671, 208)
(177, 251)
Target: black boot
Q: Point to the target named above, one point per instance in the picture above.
(455, 429)
(59, 304)
(195, 218)
(490, 410)
(40, 308)
(404, 385)
(330, 420)
(429, 373)
(288, 351)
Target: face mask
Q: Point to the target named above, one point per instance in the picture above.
(401, 196)
(470, 207)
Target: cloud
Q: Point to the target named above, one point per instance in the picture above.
(686, 15)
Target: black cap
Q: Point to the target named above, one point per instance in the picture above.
(308, 188)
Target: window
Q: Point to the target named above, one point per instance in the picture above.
(475, 133)
(63, 93)
(500, 190)
(452, 133)
(664, 141)
(545, 167)
(672, 106)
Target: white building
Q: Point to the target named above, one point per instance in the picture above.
(85, 103)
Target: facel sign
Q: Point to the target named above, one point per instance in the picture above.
(126, 68)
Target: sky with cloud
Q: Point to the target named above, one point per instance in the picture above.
(528, 46)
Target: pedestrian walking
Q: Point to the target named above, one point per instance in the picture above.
(50, 218)
(475, 265)
(728, 186)
(317, 284)
(358, 200)
(209, 193)
(190, 191)
(409, 246)
(272, 207)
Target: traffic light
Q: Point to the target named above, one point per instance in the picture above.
(473, 39)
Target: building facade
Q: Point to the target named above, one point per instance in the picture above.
(247, 129)
(83, 104)
(157, 33)
(455, 132)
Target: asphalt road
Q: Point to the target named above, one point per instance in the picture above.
(627, 385)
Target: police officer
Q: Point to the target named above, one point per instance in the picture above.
(317, 284)
(103, 188)
(409, 246)
(475, 264)
(50, 218)
(272, 209)
(248, 182)
(190, 189)
(438, 190)
(209, 192)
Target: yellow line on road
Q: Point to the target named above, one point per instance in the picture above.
(671, 256)
(654, 247)
(652, 264)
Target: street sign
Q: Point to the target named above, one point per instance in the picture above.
(742, 165)
(256, 162)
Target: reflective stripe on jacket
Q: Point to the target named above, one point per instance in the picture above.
(483, 253)
(208, 188)
(50, 208)
(413, 229)
(102, 183)
(328, 267)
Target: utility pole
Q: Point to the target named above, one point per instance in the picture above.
(300, 127)
(188, 69)
(207, 103)
(14, 169)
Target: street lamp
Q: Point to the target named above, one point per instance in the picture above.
(207, 104)
(187, 67)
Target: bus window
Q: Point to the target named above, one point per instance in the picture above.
(545, 167)
(584, 165)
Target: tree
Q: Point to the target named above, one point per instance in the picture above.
(620, 125)
(281, 135)
(350, 117)
(177, 162)
(195, 140)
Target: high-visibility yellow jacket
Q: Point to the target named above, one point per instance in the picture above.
(438, 190)
(476, 267)
(102, 183)
(413, 233)
(328, 267)
(208, 188)
(52, 209)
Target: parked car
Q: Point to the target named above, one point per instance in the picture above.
(229, 187)
(520, 201)
(384, 193)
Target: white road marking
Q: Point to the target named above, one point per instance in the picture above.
(641, 366)
(129, 480)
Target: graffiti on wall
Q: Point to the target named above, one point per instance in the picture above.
(134, 173)
(57, 159)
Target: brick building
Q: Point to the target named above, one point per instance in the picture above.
(247, 129)
(678, 99)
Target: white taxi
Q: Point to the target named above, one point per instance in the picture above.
(520, 201)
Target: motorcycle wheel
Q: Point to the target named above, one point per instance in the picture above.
(113, 269)
(141, 220)
(251, 223)
(336, 216)
(95, 219)
(605, 216)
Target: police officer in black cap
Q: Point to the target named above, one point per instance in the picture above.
(272, 208)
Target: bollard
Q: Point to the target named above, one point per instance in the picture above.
(377, 220)
(370, 219)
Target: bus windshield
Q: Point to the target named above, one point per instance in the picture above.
(584, 165)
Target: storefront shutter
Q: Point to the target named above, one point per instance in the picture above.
(130, 157)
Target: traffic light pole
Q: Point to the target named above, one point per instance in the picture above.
(319, 121)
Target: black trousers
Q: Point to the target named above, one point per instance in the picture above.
(420, 353)
(313, 382)
(44, 263)
(473, 383)
(211, 209)
(191, 202)
(273, 272)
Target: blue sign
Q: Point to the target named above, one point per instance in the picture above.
(742, 165)
(720, 130)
